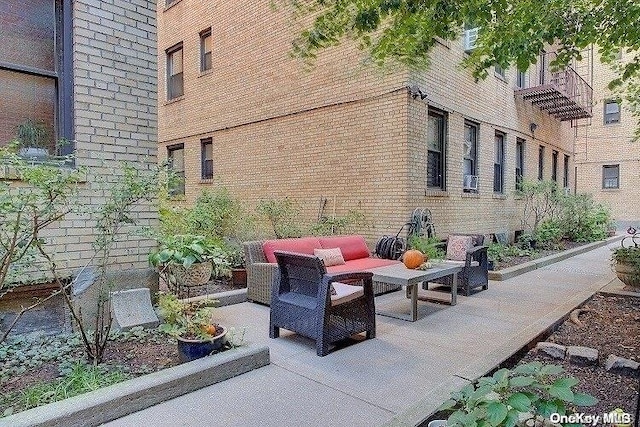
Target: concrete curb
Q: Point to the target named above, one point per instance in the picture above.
(107, 404)
(224, 298)
(517, 270)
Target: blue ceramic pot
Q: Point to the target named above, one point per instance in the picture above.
(189, 350)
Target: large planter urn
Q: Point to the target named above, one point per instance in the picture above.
(189, 350)
(197, 274)
(628, 274)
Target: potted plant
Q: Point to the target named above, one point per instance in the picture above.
(33, 138)
(188, 259)
(192, 325)
(626, 262)
(527, 395)
(238, 271)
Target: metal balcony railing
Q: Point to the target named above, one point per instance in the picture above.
(562, 93)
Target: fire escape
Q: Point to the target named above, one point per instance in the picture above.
(562, 93)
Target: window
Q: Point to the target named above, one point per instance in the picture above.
(554, 166)
(498, 164)
(541, 162)
(611, 176)
(205, 50)
(436, 131)
(175, 157)
(207, 158)
(611, 112)
(499, 71)
(175, 81)
(470, 156)
(35, 73)
(519, 163)
(565, 177)
(521, 79)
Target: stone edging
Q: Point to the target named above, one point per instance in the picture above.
(519, 269)
(109, 403)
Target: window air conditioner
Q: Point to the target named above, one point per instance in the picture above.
(470, 182)
(470, 38)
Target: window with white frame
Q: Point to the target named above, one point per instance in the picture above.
(611, 112)
(519, 163)
(175, 79)
(470, 157)
(436, 131)
(498, 164)
(175, 157)
(205, 50)
(206, 146)
(611, 176)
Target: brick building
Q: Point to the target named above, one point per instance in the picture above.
(606, 157)
(235, 110)
(85, 71)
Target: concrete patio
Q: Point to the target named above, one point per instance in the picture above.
(399, 377)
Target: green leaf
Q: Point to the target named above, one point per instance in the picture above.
(519, 402)
(521, 381)
(448, 404)
(565, 382)
(188, 261)
(563, 393)
(527, 368)
(501, 375)
(512, 418)
(582, 399)
(546, 408)
(551, 370)
(496, 412)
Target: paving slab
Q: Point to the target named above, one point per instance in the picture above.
(402, 375)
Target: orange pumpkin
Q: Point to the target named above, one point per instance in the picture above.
(413, 258)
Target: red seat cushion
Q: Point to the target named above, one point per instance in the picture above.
(352, 247)
(303, 245)
(361, 264)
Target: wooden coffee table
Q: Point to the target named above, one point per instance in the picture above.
(398, 274)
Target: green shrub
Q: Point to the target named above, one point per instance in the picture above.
(549, 234)
(282, 215)
(432, 247)
(214, 214)
(584, 220)
(339, 225)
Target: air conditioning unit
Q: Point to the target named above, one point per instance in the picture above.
(567, 191)
(470, 38)
(470, 182)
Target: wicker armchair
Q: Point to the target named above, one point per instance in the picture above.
(475, 273)
(303, 302)
(262, 275)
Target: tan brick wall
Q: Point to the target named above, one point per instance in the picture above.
(343, 129)
(115, 121)
(600, 144)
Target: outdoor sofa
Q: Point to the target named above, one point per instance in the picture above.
(262, 268)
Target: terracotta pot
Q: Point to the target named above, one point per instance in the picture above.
(239, 276)
(189, 350)
(628, 274)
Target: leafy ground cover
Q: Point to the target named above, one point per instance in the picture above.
(510, 256)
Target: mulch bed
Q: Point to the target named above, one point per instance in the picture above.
(612, 327)
(516, 260)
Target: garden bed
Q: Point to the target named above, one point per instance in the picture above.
(511, 261)
(612, 326)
